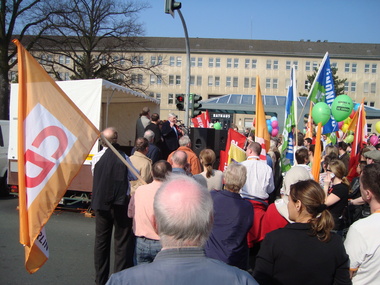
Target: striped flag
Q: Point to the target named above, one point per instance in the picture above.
(261, 131)
(287, 150)
(54, 139)
(323, 90)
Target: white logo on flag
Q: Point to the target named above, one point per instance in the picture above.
(47, 142)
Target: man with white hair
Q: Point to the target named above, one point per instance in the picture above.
(171, 134)
(184, 215)
(192, 158)
(154, 153)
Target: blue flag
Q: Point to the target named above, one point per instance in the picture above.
(323, 91)
(287, 150)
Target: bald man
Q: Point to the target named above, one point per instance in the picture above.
(184, 215)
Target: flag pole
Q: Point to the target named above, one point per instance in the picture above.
(122, 159)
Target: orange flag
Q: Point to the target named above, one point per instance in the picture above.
(261, 132)
(54, 139)
(317, 155)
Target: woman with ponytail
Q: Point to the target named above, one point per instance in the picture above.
(336, 187)
(210, 178)
(304, 252)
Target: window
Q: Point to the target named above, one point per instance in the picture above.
(122, 61)
(353, 67)
(210, 80)
(134, 78)
(372, 104)
(217, 62)
(200, 62)
(158, 96)
(236, 63)
(346, 86)
(353, 86)
(235, 82)
(170, 98)
(67, 60)
(229, 62)
(308, 66)
(141, 60)
(373, 87)
(171, 61)
(192, 62)
(306, 86)
(159, 79)
(151, 94)
(267, 83)
(13, 76)
(61, 59)
(228, 81)
(67, 76)
(288, 65)
(140, 79)
(211, 62)
(217, 81)
(366, 87)
(295, 63)
(159, 60)
(369, 128)
(269, 64)
(199, 80)
(253, 82)
(374, 68)
(192, 79)
(43, 59)
(254, 63)
(152, 60)
(152, 79)
(366, 68)
(346, 67)
(49, 58)
(246, 63)
(315, 65)
(134, 60)
(275, 83)
(246, 82)
(179, 61)
(275, 64)
(178, 79)
(171, 79)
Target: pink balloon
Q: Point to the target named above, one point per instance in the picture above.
(374, 140)
(340, 124)
(274, 124)
(352, 114)
(274, 132)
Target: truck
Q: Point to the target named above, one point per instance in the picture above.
(105, 104)
(4, 139)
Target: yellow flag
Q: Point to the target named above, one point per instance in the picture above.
(236, 154)
(261, 131)
(54, 139)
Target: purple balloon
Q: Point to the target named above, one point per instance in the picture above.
(274, 132)
(274, 124)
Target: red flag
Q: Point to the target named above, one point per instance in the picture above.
(207, 118)
(261, 132)
(199, 121)
(235, 138)
(358, 126)
(54, 139)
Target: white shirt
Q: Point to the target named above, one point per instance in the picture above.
(259, 182)
(363, 247)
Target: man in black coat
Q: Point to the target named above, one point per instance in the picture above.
(171, 134)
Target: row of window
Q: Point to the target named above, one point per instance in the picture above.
(367, 87)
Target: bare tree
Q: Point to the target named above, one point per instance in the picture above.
(97, 39)
(17, 19)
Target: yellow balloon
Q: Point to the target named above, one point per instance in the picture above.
(377, 126)
(345, 128)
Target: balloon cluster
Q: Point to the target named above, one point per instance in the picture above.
(272, 126)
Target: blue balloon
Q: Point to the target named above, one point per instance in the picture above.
(270, 129)
(356, 107)
(273, 119)
(268, 122)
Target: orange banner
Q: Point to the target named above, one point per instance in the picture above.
(54, 139)
(261, 132)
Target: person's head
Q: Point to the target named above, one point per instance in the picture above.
(110, 134)
(377, 146)
(184, 141)
(254, 148)
(179, 159)
(372, 156)
(145, 111)
(328, 159)
(183, 212)
(307, 142)
(370, 183)
(172, 118)
(149, 135)
(342, 147)
(155, 117)
(161, 169)
(338, 168)
(362, 152)
(141, 145)
(300, 138)
(235, 177)
(302, 156)
(207, 158)
(307, 203)
(360, 166)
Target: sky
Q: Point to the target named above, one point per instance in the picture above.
(349, 21)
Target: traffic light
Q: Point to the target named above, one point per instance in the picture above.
(171, 5)
(180, 101)
(195, 106)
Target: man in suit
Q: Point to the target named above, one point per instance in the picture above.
(171, 134)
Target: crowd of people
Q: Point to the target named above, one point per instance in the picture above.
(178, 220)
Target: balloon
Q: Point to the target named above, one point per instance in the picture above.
(274, 124)
(340, 133)
(268, 122)
(345, 128)
(342, 107)
(377, 127)
(217, 126)
(352, 114)
(347, 121)
(349, 139)
(273, 119)
(374, 140)
(270, 129)
(321, 113)
(274, 132)
(356, 107)
(340, 125)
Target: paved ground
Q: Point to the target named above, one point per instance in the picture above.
(71, 241)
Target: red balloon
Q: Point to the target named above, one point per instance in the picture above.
(352, 114)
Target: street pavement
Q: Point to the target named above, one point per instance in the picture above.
(71, 241)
